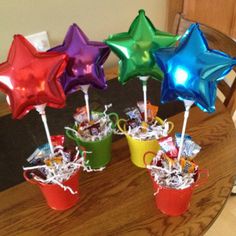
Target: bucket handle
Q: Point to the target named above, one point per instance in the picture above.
(171, 125)
(123, 130)
(201, 181)
(145, 156)
(32, 181)
(116, 118)
(69, 134)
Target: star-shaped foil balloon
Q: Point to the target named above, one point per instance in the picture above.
(134, 49)
(86, 59)
(192, 70)
(31, 78)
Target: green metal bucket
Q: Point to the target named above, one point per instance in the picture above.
(100, 150)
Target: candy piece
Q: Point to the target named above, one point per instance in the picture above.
(99, 127)
(144, 126)
(178, 137)
(140, 105)
(132, 123)
(133, 113)
(166, 161)
(39, 153)
(188, 166)
(168, 146)
(58, 140)
(81, 114)
(169, 173)
(190, 148)
(151, 111)
(94, 129)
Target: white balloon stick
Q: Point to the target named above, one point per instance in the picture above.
(144, 80)
(187, 104)
(41, 110)
(85, 88)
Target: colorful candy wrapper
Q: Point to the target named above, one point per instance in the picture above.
(169, 173)
(40, 153)
(188, 166)
(168, 146)
(190, 148)
(133, 113)
(132, 123)
(80, 114)
(99, 127)
(58, 140)
(151, 110)
(94, 129)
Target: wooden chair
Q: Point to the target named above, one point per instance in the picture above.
(218, 41)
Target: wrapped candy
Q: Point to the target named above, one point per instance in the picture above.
(99, 127)
(167, 144)
(141, 130)
(59, 168)
(165, 168)
(81, 114)
(190, 148)
(151, 110)
(170, 173)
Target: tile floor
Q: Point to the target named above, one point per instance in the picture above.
(226, 222)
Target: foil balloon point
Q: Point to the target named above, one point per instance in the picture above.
(134, 48)
(86, 59)
(30, 78)
(192, 70)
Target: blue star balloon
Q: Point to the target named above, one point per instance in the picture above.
(192, 70)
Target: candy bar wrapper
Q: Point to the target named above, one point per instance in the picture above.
(132, 123)
(188, 166)
(80, 114)
(168, 146)
(97, 128)
(170, 173)
(190, 148)
(94, 129)
(133, 113)
(151, 110)
(58, 140)
(41, 152)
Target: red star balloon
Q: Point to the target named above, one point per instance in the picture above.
(31, 78)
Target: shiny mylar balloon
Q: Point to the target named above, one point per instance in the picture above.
(192, 70)
(86, 59)
(133, 48)
(30, 78)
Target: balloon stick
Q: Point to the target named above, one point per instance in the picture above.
(144, 80)
(41, 110)
(187, 104)
(85, 88)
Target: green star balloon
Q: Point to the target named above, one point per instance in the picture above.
(134, 48)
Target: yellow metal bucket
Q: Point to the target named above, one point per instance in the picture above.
(139, 147)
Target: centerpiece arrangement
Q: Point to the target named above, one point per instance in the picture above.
(188, 70)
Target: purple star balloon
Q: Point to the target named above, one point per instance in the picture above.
(86, 59)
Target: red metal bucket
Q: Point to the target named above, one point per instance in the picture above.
(57, 198)
(175, 202)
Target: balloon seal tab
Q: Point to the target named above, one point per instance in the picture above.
(141, 11)
(144, 79)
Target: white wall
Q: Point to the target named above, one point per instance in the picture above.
(97, 18)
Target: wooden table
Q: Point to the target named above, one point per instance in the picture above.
(120, 201)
